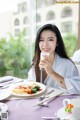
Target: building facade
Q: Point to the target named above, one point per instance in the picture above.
(65, 16)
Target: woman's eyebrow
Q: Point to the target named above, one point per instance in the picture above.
(41, 37)
(51, 37)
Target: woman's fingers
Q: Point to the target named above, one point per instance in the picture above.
(42, 64)
(45, 62)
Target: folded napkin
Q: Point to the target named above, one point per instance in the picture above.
(5, 79)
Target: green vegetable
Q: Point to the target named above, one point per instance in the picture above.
(37, 88)
(34, 90)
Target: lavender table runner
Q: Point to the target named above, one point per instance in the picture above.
(23, 109)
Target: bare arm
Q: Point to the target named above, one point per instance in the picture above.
(47, 65)
(58, 78)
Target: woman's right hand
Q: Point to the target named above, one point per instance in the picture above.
(46, 64)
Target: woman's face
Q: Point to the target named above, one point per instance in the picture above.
(48, 41)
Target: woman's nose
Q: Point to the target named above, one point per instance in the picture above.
(45, 43)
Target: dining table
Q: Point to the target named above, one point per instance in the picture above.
(26, 109)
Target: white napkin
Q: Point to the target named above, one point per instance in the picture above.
(5, 79)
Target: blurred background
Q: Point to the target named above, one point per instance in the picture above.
(19, 22)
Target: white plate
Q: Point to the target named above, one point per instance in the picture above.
(42, 87)
(5, 93)
(62, 114)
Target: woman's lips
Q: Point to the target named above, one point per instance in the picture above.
(46, 50)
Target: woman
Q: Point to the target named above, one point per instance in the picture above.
(58, 69)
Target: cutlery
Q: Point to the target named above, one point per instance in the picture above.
(56, 93)
(45, 104)
(2, 80)
(46, 95)
(6, 83)
(51, 118)
(9, 84)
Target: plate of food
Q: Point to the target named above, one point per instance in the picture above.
(28, 89)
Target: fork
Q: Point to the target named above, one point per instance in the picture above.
(45, 95)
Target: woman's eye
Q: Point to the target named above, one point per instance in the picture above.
(41, 40)
(51, 40)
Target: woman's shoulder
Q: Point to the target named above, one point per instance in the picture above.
(65, 61)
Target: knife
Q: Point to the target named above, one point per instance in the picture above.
(2, 79)
(9, 84)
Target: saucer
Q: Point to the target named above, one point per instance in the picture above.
(62, 114)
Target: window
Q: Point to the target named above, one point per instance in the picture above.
(30, 15)
(66, 12)
(17, 32)
(40, 3)
(50, 15)
(16, 22)
(66, 27)
(25, 20)
(50, 2)
(22, 7)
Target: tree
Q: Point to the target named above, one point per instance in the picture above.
(14, 55)
(71, 43)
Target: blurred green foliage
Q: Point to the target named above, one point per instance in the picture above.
(14, 56)
(71, 44)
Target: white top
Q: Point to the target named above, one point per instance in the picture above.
(66, 69)
(76, 56)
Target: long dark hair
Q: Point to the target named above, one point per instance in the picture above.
(60, 49)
